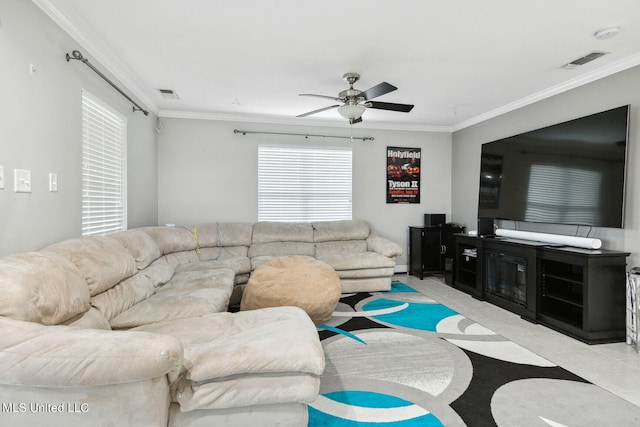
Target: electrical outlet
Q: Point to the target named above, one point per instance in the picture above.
(22, 181)
(53, 182)
(1, 177)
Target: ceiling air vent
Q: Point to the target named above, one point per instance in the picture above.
(168, 93)
(583, 60)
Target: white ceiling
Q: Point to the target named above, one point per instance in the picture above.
(459, 62)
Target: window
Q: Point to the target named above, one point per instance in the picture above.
(563, 195)
(104, 148)
(304, 184)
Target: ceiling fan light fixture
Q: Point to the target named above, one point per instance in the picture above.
(351, 112)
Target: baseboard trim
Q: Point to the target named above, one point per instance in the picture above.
(401, 269)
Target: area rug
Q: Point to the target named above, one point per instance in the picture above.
(400, 359)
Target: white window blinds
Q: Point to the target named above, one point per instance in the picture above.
(561, 195)
(304, 184)
(104, 148)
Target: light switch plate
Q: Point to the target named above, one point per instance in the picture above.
(22, 181)
(53, 182)
(1, 177)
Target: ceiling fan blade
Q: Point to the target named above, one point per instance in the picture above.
(403, 108)
(354, 121)
(318, 111)
(378, 90)
(321, 96)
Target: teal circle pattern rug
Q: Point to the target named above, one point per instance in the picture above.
(401, 359)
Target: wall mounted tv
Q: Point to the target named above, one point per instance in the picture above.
(568, 173)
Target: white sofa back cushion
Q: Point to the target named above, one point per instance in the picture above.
(327, 231)
(177, 259)
(41, 287)
(268, 231)
(171, 239)
(224, 252)
(104, 261)
(132, 290)
(223, 234)
(140, 245)
(281, 249)
(90, 319)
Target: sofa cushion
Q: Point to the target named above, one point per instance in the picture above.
(383, 246)
(218, 278)
(41, 287)
(188, 294)
(90, 319)
(281, 415)
(249, 391)
(239, 265)
(259, 356)
(326, 231)
(259, 260)
(242, 278)
(370, 284)
(340, 247)
(140, 245)
(224, 252)
(268, 340)
(281, 249)
(224, 234)
(357, 261)
(269, 231)
(177, 259)
(171, 239)
(132, 290)
(137, 403)
(366, 273)
(104, 261)
(62, 356)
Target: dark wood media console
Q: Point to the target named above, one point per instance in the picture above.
(430, 247)
(579, 292)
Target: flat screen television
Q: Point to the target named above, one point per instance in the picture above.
(568, 173)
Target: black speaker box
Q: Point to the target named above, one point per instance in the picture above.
(434, 220)
(485, 227)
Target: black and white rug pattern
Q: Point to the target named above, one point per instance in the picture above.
(399, 359)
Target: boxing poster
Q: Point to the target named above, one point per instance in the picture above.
(403, 175)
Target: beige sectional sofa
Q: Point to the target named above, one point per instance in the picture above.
(363, 260)
(133, 328)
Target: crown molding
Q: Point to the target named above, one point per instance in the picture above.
(299, 121)
(616, 67)
(99, 52)
(127, 79)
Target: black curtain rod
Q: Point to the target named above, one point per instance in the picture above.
(306, 135)
(77, 55)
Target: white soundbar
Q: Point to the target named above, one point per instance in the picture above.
(580, 242)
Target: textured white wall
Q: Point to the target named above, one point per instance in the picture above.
(207, 173)
(40, 130)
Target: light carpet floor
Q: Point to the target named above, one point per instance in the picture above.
(400, 358)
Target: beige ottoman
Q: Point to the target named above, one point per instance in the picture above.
(296, 280)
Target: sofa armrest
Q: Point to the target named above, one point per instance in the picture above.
(64, 356)
(383, 246)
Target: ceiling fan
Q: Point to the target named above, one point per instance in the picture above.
(354, 101)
